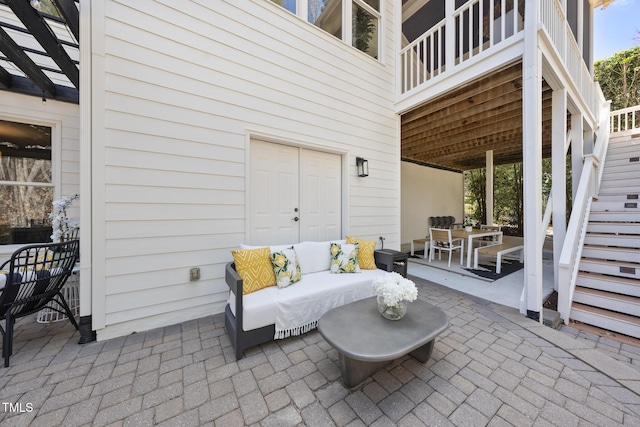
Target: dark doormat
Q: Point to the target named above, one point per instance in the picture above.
(488, 271)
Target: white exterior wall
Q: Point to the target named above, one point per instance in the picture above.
(64, 120)
(428, 192)
(178, 89)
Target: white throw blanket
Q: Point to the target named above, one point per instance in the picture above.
(300, 306)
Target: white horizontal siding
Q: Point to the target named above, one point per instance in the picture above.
(185, 85)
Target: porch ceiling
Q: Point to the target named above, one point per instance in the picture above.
(38, 50)
(454, 131)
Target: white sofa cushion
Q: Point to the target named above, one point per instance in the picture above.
(297, 308)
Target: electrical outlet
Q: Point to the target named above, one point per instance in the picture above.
(194, 274)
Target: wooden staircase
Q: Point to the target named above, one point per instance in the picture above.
(607, 293)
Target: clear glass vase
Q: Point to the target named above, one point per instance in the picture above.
(392, 312)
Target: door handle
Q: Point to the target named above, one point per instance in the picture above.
(295, 218)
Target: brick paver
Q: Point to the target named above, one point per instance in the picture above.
(491, 367)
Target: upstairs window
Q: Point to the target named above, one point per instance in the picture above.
(356, 22)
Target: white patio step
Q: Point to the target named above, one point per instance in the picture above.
(615, 206)
(615, 174)
(621, 160)
(622, 153)
(613, 227)
(617, 322)
(611, 254)
(620, 197)
(619, 285)
(630, 184)
(611, 268)
(607, 300)
(614, 216)
(620, 241)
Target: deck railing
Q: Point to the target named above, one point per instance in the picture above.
(472, 29)
(476, 28)
(557, 27)
(626, 120)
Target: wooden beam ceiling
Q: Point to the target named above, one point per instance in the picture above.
(455, 130)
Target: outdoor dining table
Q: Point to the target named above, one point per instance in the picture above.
(474, 234)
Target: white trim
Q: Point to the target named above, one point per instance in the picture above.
(86, 253)
(98, 180)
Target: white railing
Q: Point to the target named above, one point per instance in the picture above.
(588, 188)
(625, 121)
(423, 58)
(472, 29)
(557, 27)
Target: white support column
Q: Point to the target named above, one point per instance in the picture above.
(577, 152)
(559, 174)
(532, 163)
(85, 160)
(489, 186)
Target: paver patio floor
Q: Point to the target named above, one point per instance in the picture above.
(492, 367)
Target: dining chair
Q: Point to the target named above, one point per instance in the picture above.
(489, 240)
(441, 240)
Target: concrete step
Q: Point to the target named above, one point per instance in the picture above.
(617, 322)
(613, 227)
(611, 268)
(619, 285)
(611, 253)
(551, 318)
(619, 241)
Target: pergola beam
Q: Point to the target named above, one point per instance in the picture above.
(5, 79)
(16, 55)
(34, 22)
(71, 16)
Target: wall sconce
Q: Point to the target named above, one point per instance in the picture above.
(362, 165)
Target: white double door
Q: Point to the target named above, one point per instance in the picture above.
(295, 194)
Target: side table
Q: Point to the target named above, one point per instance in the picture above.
(397, 260)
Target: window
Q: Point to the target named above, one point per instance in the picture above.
(362, 16)
(26, 186)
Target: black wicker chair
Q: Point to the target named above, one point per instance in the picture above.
(33, 278)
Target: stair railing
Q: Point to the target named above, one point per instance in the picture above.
(625, 121)
(588, 188)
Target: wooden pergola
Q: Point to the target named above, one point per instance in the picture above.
(35, 60)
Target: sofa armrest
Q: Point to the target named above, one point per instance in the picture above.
(233, 279)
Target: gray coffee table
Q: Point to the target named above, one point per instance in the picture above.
(366, 341)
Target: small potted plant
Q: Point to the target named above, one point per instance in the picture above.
(469, 223)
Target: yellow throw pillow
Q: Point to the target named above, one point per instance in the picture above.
(366, 259)
(255, 269)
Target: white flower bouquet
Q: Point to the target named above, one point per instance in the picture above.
(60, 222)
(394, 289)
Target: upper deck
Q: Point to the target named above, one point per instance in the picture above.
(460, 82)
